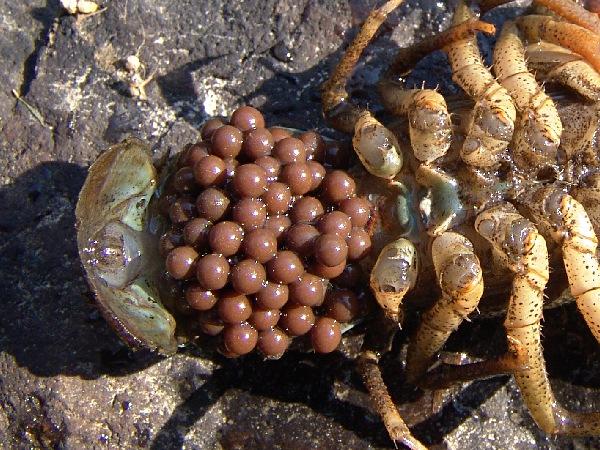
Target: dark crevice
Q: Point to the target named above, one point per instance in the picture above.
(46, 16)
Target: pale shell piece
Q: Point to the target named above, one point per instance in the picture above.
(393, 275)
(87, 7)
(69, 5)
(377, 147)
(117, 245)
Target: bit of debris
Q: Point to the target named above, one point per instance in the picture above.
(32, 109)
(136, 79)
(79, 6)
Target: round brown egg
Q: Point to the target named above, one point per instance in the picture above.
(247, 118)
(240, 338)
(297, 320)
(325, 335)
(212, 271)
(248, 276)
(273, 343)
(226, 142)
(257, 143)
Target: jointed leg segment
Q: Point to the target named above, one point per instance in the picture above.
(525, 253)
(460, 277)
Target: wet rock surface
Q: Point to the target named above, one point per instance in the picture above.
(66, 381)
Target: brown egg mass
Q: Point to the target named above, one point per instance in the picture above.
(262, 225)
(289, 150)
(193, 154)
(199, 298)
(301, 238)
(263, 319)
(306, 209)
(338, 186)
(209, 128)
(250, 213)
(195, 232)
(272, 296)
(212, 204)
(277, 198)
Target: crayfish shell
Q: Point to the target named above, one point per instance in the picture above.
(116, 237)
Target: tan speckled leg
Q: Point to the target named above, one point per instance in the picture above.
(573, 230)
(524, 250)
(460, 278)
(378, 341)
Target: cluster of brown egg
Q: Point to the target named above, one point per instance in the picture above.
(253, 251)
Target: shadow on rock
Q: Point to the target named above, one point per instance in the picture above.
(47, 319)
